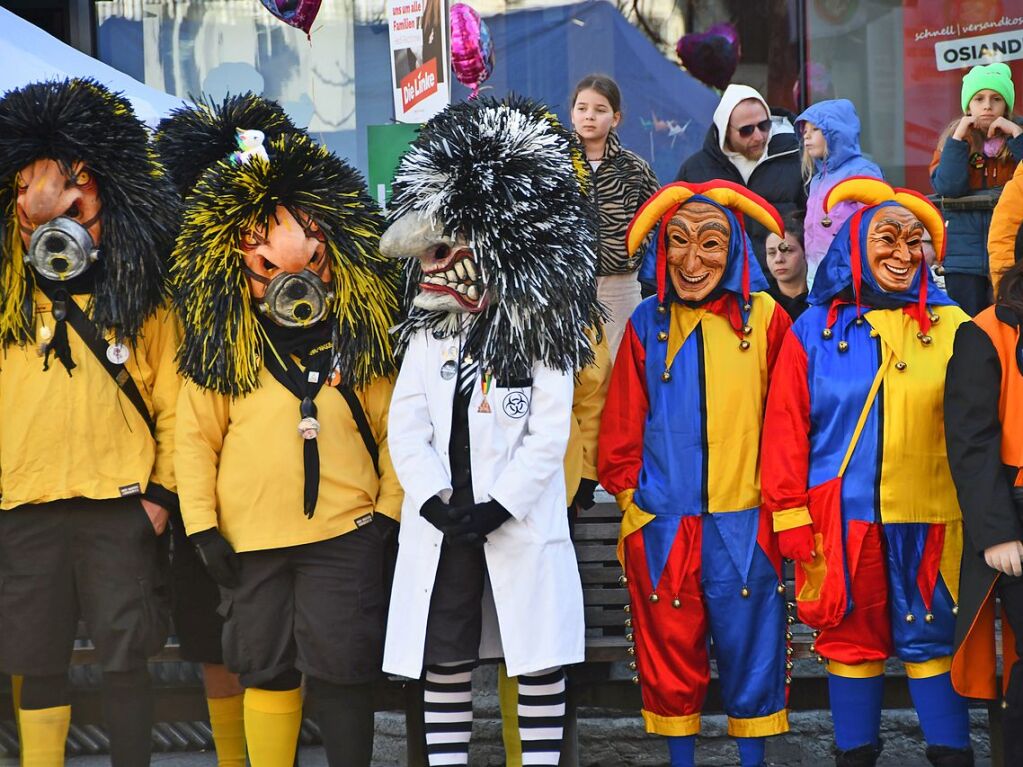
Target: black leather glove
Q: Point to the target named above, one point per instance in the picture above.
(217, 555)
(441, 515)
(479, 520)
(584, 495)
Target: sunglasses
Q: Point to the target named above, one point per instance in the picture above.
(764, 126)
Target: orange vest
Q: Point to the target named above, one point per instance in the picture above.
(1005, 339)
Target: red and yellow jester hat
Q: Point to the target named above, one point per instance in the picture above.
(873, 192)
(737, 200)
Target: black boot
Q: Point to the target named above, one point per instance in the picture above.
(861, 756)
(946, 756)
(344, 714)
(128, 713)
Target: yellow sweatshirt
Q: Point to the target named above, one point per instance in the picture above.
(241, 468)
(79, 436)
(587, 407)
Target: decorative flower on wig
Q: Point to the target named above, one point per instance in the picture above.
(498, 186)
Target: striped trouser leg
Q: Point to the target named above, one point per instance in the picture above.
(541, 716)
(447, 712)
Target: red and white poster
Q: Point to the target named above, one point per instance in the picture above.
(941, 42)
(419, 36)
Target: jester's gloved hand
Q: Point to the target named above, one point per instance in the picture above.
(478, 521)
(797, 543)
(216, 554)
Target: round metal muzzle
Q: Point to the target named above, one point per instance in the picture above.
(61, 249)
(296, 300)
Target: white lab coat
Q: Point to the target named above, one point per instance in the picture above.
(517, 453)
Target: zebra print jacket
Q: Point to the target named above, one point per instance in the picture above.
(621, 184)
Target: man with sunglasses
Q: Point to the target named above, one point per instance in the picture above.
(752, 145)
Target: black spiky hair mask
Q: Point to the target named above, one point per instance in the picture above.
(223, 342)
(80, 120)
(508, 179)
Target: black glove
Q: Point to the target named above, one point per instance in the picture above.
(217, 555)
(441, 515)
(584, 495)
(479, 520)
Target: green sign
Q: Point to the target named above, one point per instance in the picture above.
(386, 145)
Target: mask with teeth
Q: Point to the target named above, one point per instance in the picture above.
(696, 247)
(450, 280)
(895, 248)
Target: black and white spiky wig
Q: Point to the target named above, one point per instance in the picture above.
(192, 139)
(223, 342)
(507, 177)
(80, 120)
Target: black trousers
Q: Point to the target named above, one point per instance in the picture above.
(1010, 592)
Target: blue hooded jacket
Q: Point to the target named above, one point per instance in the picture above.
(840, 125)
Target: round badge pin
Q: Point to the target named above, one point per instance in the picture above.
(448, 370)
(117, 353)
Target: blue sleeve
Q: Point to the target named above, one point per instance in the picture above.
(1016, 147)
(952, 176)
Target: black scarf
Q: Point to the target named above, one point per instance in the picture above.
(62, 291)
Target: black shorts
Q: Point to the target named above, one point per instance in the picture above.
(455, 623)
(98, 560)
(320, 608)
(194, 601)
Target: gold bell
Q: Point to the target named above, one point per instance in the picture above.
(662, 336)
(622, 580)
(813, 648)
(790, 605)
(788, 679)
(747, 307)
(826, 221)
(826, 333)
(628, 623)
(627, 608)
(789, 651)
(661, 309)
(747, 329)
(789, 665)
(843, 346)
(630, 650)
(788, 636)
(859, 320)
(744, 592)
(654, 598)
(910, 618)
(820, 659)
(926, 340)
(934, 318)
(635, 679)
(874, 333)
(781, 588)
(900, 365)
(744, 344)
(790, 620)
(676, 603)
(815, 634)
(630, 637)
(665, 376)
(929, 618)
(632, 665)
(955, 609)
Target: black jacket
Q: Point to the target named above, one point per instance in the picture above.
(777, 179)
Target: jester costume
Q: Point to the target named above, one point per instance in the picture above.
(87, 395)
(678, 449)
(856, 475)
(290, 496)
(491, 213)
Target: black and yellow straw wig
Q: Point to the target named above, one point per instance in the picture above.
(223, 343)
(80, 120)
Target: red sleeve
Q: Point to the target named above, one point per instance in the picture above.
(776, 332)
(785, 452)
(620, 451)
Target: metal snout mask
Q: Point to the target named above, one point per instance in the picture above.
(294, 300)
(61, 249)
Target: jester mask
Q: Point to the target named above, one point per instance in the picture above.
(276, 226)
(490, 210)
(81, 195)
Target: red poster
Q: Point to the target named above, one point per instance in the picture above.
(941, 42)
(419, 84)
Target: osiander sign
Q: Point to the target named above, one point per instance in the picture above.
(982, 49)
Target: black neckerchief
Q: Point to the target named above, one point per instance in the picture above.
(314, 348)
(870, 298)
(61, 291)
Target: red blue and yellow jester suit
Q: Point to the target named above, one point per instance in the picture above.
(854, 455)
(679, 450)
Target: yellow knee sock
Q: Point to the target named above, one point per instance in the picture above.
(508, 695)
(43, 735)
(272, 721)
(227, 720)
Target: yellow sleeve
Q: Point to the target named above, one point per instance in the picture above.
(1005, 224)
(588, 401)
(161, 336)
(202, 418)
(376, 401)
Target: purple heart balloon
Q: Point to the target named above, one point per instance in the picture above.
(472, 49)
(297, 13)
(712, 56)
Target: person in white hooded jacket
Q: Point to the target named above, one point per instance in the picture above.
(751, 144)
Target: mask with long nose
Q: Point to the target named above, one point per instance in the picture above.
(58, 208)
(451, 278)
(895, 248)
(288, 269)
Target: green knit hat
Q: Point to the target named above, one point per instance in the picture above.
(996, 77)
